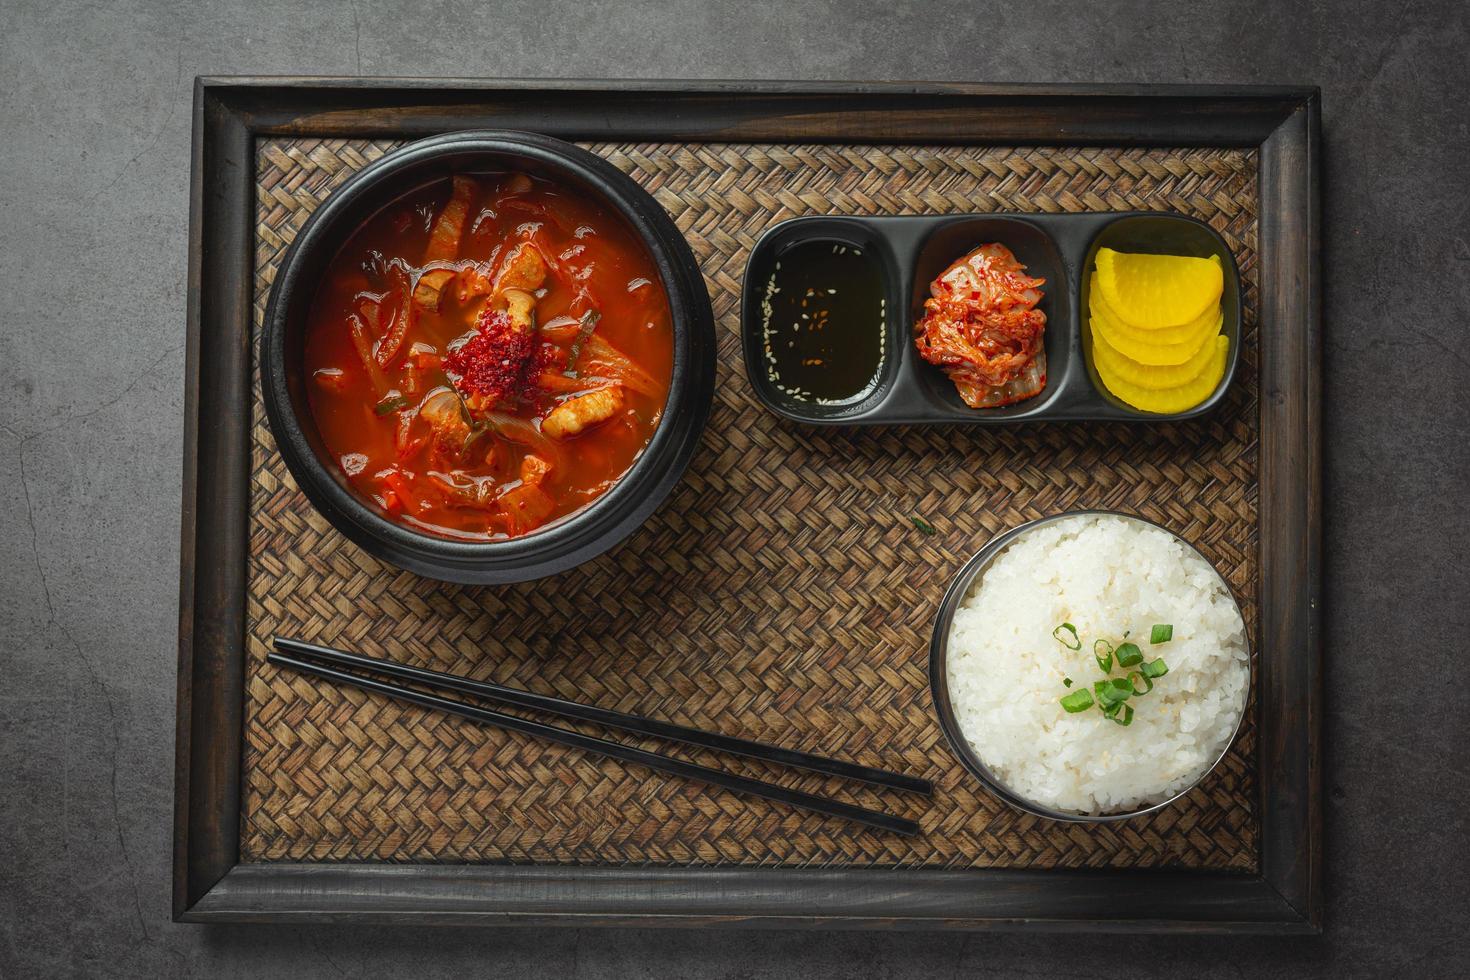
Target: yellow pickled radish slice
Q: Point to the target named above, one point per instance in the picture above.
(1170, 400)
(1149, 375)
(1154, 291)
(1147, 353)
(1207, 323)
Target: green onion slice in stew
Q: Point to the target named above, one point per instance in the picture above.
(474, 438)
(391, 403)
(1066, 682)
(584, 334)
(1155, 668)
(1129, 655)
(1148, 682)
(1161, 633)
(1077, 701)
(1125, 718)
(1102, 650)
(1076, 641)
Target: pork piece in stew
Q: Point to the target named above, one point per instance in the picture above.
(489, 355)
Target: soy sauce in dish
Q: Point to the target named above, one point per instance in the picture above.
(823, 322)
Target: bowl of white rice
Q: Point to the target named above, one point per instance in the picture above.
(1078, 608)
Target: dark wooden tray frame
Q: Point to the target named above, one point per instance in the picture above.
(211, 885)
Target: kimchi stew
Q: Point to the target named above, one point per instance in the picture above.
(489, 355)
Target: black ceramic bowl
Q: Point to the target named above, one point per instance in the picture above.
(575, 538)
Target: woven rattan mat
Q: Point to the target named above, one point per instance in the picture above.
(781, 593)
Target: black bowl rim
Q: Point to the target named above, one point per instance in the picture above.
(581, 535)
(939, 675)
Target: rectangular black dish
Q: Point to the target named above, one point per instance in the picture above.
(913, 250)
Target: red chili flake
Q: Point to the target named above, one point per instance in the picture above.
(492, 363)
(551, 358)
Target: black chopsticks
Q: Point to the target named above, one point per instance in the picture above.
(337, 665)
(612, 719)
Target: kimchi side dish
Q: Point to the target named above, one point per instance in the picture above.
(489, 355)
(981, 325)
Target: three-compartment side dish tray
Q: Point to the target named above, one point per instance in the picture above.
(786, 589)
(912, 250)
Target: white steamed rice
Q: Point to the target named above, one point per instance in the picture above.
(1103, 574)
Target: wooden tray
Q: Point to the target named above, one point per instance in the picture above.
(781, 593)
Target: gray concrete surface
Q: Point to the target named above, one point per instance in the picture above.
(94, 159)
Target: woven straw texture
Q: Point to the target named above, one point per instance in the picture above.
(781, 593)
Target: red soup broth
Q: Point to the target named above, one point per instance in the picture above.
(488, 355)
